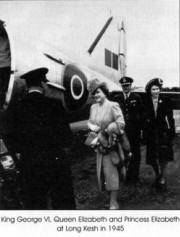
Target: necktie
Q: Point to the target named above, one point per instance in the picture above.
(155, 104)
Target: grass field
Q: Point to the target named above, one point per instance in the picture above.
(142, 197)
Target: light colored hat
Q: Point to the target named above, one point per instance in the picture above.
(56, 86)
(94, 85)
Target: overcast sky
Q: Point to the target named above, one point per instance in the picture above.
(152, 31)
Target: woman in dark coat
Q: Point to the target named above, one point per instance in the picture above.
(159, 131)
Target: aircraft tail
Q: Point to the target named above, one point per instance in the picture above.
(122, 50)
(99, 36)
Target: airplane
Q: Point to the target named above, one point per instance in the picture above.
(30, 50)
(40, 41)
(34, 47)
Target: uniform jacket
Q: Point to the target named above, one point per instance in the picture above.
(39, 132)
(132, 109)
(38, 128)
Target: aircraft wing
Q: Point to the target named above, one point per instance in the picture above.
(44, 43)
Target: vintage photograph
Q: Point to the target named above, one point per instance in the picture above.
(89, 105)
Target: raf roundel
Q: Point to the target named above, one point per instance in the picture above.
(75, 82)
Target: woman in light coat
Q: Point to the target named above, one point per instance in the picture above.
(104, 117)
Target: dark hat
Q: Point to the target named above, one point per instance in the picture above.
(38, 74)
(126, 80)
(1, 23)
(56, 86)
(94, 85)
(154, 82)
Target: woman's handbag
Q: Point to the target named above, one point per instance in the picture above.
(91, 139)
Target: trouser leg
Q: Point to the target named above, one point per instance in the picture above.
(34, 196)
(62, 193)
(4, 81)
(134, 165)
(34, 188)
(156, 169)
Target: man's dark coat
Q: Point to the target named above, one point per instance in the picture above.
(40, 133)
(132, 109)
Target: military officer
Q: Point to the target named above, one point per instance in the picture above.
(132, 109)
(40, 143)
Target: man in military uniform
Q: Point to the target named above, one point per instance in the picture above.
(132, 109)
(39, 140)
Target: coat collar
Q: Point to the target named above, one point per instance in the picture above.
(123, 95)
(160, 101)
(126, 94)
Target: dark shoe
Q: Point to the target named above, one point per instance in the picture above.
(155, 184)
(160, 185)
